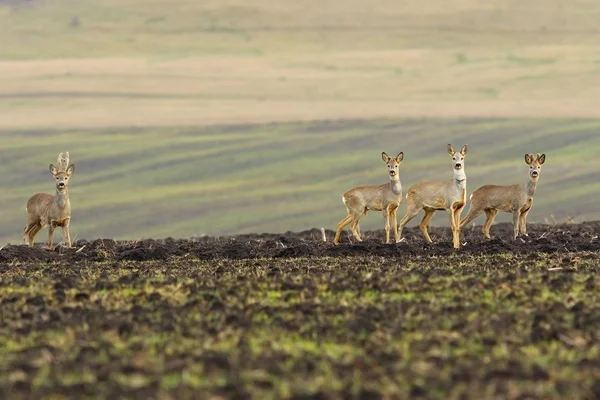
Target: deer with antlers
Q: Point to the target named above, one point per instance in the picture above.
(516, 199)
(444, 195)
(44, 209)
(385, 198)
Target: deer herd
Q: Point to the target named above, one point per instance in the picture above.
(449, 195)
(44, 209)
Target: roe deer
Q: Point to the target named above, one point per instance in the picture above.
(516, 199)
(445, 195)
(44, 209)
(386, 198)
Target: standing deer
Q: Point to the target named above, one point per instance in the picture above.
(386, 198)
(516, 199)
(44, 209)
(445, 195)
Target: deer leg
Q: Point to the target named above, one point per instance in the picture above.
(453, 227)
(425, 222)
(456, 215)
(354, 227)
(516, 223)
(395, 224)
(31, 224)
(27, 232)
(66, 234)
(490, 215)
(38, 227)
(473, 213)
(523, 223)
(341, 226)
(30, 231)
(411, 212)
(51, 228)
(386, 224)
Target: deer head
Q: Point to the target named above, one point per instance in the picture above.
(535, 164)
(62, 172)
(458, 157)
(392, 163)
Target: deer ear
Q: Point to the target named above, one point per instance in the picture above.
(71, 169)
(528, 159)
(400, 157)
(385, 157)
(464, 150)
(450, 149)
(52, 169)
(542, 158)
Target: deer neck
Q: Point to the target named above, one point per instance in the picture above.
(460, 179)
(62, 198)
(530, 187)
(395, 184)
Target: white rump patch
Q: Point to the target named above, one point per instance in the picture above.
(471, 196)
(344, 199)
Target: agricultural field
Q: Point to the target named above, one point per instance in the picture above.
(131, 184)
(197, 125)
(208, 117)
(291, 316)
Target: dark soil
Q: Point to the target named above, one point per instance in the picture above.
(288, 316)
(542, 238)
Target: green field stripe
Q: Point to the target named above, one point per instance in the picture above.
(180, 182)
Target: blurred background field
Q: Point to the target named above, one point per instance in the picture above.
(220, 117)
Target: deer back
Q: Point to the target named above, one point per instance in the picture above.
(376, 197)
(505, 198)
(434, 194)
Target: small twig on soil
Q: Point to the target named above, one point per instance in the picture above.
(555, 269)
(282, 245)
(78, 250)
(323, 234)
(543, 234)
(575, 342)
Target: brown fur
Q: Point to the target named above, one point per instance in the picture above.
(443, 195)
(44, 209)
(516, 199)
(385, 198)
